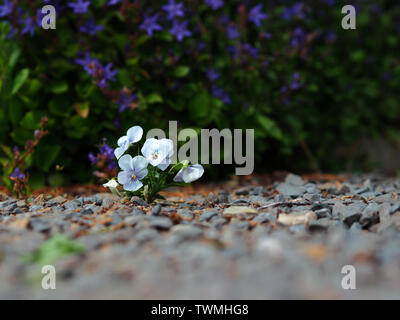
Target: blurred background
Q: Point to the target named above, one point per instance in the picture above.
(320, 98)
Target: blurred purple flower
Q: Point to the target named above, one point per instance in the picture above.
(173, 9)
(179, 30)
(90, 65)
(112, 2)
(221, 94)
(90, 27)
(255, 15)
(29, 26)
(17, 174)
(212, 74)
(150, 24)
(296, 84)
(232, 32)
(125, 101)
(6, 8)
(214, 4)
(294, 11)
(79, 6)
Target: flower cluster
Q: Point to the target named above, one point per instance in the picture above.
(103, 161)
(149, 169)
(14, 168)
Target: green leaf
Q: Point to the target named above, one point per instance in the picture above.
(154, 98)
(36, 180)
(15, 111)
(269, 126)
(45, 155)
(60, 106)
(56, 180)
(14, 58)
(181, 71)
(20, 80)
(31, 120)
(199, 105)
(57, 246)
(59, 86)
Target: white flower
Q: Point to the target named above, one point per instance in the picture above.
(134, 170)
(155, 151)
(189, 174)
(170, 149)
(112, 185)
(133, 135)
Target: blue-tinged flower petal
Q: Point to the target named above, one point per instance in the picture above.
(135, 134)
(155, 151)
(139, 163)
(124, 177)
(133, 185)
(164, 165)
(123, 145)
(125, 162)
(140, 174)
(190, 173)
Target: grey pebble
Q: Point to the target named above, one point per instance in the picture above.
(156, 210)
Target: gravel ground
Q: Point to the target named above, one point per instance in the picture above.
(287, 240)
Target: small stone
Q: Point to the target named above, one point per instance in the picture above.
(38, 225)
(55, 201)
(264, 217)
(6, 203)
(207, 215)
(348, 214)
(239, 210)
(186, 231)
(323, 213)
(137, 212)
(93, 207)
(18, 211)
(156, 210)
(139, 201)
(161, 223)
(10, 207)
(223, 196)
(108, 203)
(34, 208)
(298, 229)
(294, 179)
(303, 218)
(242, 192)
(257, 191)
(146, 235)
(356, 227)
(116, 219)
(212, 198)
(290, 190)
(185, 214)
(72, 204)
(87, 211)
(240, 201)
(370, 215)
(21, 203)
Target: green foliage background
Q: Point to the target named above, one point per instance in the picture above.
(349, 85)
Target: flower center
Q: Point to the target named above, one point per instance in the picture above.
(133, 176)
(155, 154)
